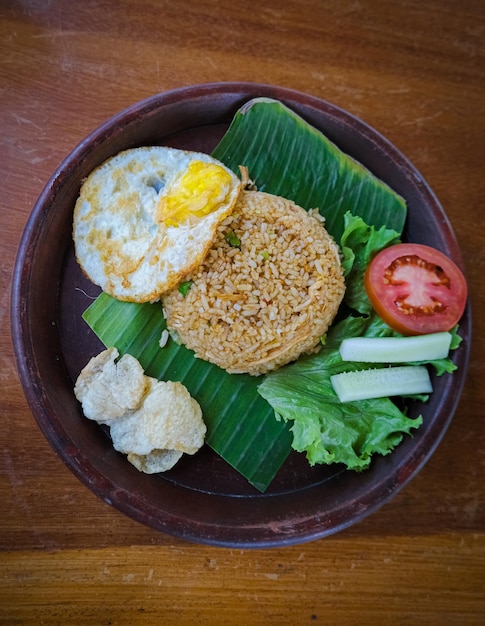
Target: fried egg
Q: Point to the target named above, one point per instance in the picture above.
(147, 217)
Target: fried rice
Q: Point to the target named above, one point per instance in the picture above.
(267, 291)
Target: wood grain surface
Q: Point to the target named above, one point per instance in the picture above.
(414, 71)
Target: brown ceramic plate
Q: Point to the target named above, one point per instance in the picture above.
(203, 499)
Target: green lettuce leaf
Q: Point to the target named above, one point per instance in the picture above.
(327, 430)
(359, 243)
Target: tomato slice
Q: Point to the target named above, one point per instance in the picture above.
(416, 289)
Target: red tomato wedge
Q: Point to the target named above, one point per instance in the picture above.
(416, 289)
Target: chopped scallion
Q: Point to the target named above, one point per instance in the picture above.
(232, 239)
(184, 287)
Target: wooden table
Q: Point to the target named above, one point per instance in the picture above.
(412, 70)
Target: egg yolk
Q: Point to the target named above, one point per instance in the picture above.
(200, 191)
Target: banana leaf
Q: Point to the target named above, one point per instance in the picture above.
(288, 157)
(284, 156)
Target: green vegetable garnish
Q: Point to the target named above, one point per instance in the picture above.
(184, 287)
(233, 240)
(324, 428)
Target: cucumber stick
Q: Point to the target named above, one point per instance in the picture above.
(396, 349)
(404, 380)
